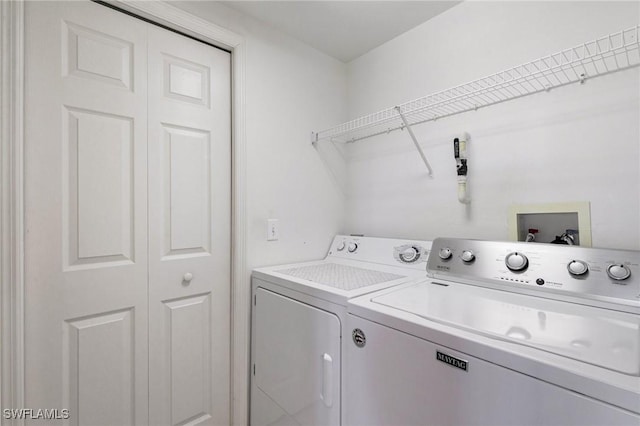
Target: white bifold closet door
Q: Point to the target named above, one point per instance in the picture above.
(127, 243)
(189, 230)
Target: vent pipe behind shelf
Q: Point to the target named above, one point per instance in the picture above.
(460, 154)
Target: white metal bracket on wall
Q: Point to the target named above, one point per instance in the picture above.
(405, 125)
(415, 140)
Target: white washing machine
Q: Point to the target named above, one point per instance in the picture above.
(501, 333)
(298, 315)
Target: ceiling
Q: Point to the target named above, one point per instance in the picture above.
(342, 29)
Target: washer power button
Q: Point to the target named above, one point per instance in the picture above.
(540, 281)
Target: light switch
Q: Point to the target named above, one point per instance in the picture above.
(273, 232)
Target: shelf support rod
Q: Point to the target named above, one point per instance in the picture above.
(415, 140)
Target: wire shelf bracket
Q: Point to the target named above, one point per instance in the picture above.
(415, 140)
(612, 53)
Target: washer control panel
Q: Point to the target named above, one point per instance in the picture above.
(611, 276)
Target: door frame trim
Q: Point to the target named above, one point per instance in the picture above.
(12, 193)
(12, 206)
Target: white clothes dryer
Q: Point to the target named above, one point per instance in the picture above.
(502, 333)
(298, 315)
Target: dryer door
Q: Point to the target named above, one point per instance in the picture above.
(296, 378)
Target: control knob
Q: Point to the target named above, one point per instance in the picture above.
(341, 246)
(410, 254)
(577, 267)
(516, 261)
(445, 253)
(467, 256)
(618, 271)
(352, 247)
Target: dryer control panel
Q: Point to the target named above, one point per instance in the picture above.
(386, 251)
(600, 277)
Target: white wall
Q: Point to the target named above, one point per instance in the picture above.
(291, 89)
(578, 143)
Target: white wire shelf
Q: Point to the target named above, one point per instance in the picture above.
(605, 55)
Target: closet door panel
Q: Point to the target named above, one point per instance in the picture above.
(98, 153)
(189, 229)
(113, 401)
(86, 213)
(187, 191)
(188, 322)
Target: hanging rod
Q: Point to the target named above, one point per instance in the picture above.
(605, 55)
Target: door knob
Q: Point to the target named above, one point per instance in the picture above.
(187, 277)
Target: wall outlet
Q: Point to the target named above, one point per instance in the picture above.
(273, 233)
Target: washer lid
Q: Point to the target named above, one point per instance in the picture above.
(601, 337)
